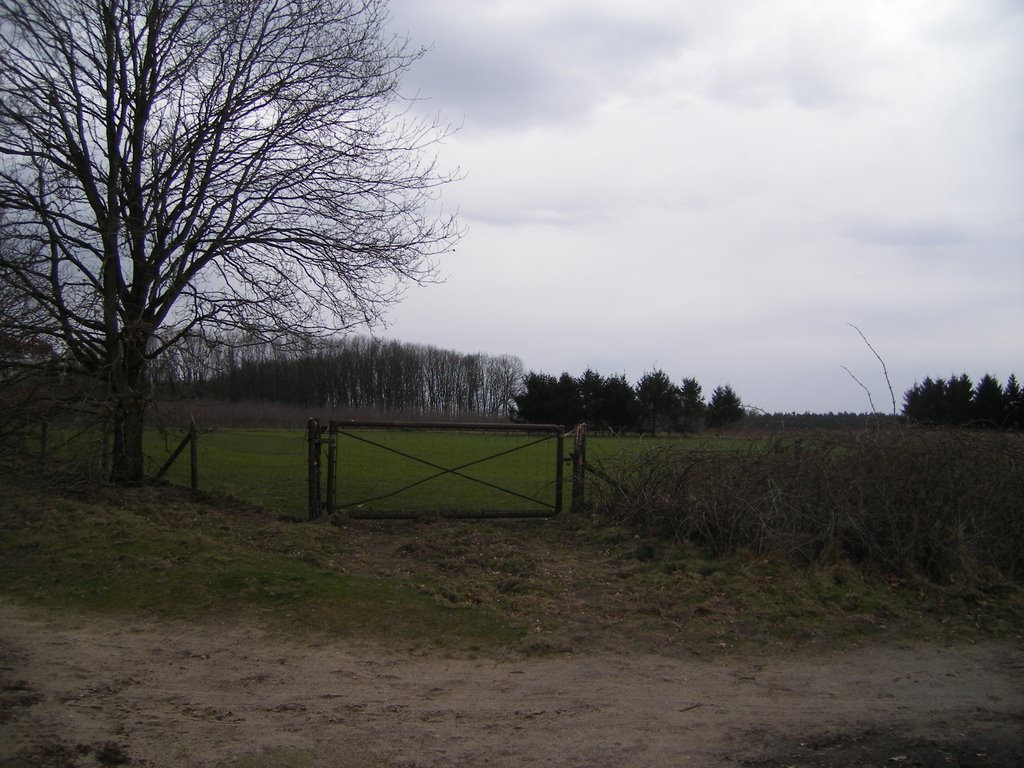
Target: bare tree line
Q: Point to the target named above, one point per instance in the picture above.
(355, 372)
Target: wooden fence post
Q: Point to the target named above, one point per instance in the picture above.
(579, 463)
(191, 440)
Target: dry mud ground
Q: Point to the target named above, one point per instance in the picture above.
(89, 691)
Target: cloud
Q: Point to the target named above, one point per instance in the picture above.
(908, 234)
(781, 52)
(507, 67)
(718, 189)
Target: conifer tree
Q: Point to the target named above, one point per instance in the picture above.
(725, 407)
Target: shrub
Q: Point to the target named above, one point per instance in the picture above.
(899, 501)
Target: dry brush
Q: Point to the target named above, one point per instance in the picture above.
(898, 501)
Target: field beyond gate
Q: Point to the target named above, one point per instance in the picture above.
(408, 469)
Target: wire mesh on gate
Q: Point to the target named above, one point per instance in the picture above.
(409, 469)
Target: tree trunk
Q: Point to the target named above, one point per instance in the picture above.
(130, 403)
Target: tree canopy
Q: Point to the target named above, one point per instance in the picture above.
(724, 408)
(958, 401)
(693, 406)
(612, 403)
(660, 400)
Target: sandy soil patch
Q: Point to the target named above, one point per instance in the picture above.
(87, 691)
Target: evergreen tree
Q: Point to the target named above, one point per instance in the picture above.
(618, 408)
(547, 400)
(568, 406)
(536, 401)
(659, 400)
(693, 405)
(1014, 404)
(989, 403)
(591, 390)
(955, 401)
(926, 402)
(724, 408)
(959, 397)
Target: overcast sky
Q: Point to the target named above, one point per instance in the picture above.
(718, 189)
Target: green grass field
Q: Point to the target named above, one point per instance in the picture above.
(399, 472)
(264, 467)
(391, 472)
(384, 472)
(402, 472)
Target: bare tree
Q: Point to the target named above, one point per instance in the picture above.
(172, 166)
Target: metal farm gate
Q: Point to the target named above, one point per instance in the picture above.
(403, 469)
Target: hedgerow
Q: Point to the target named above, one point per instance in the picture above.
(898, 501)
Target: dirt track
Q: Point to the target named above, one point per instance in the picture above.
(83, 692)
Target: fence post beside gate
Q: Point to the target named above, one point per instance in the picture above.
(559, 470)
(579, 463)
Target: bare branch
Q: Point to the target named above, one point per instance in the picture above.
(885, 371)
(867, 391)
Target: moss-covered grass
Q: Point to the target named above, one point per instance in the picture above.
(159, 551)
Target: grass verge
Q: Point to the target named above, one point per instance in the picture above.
(572, 584)
(164, 552)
